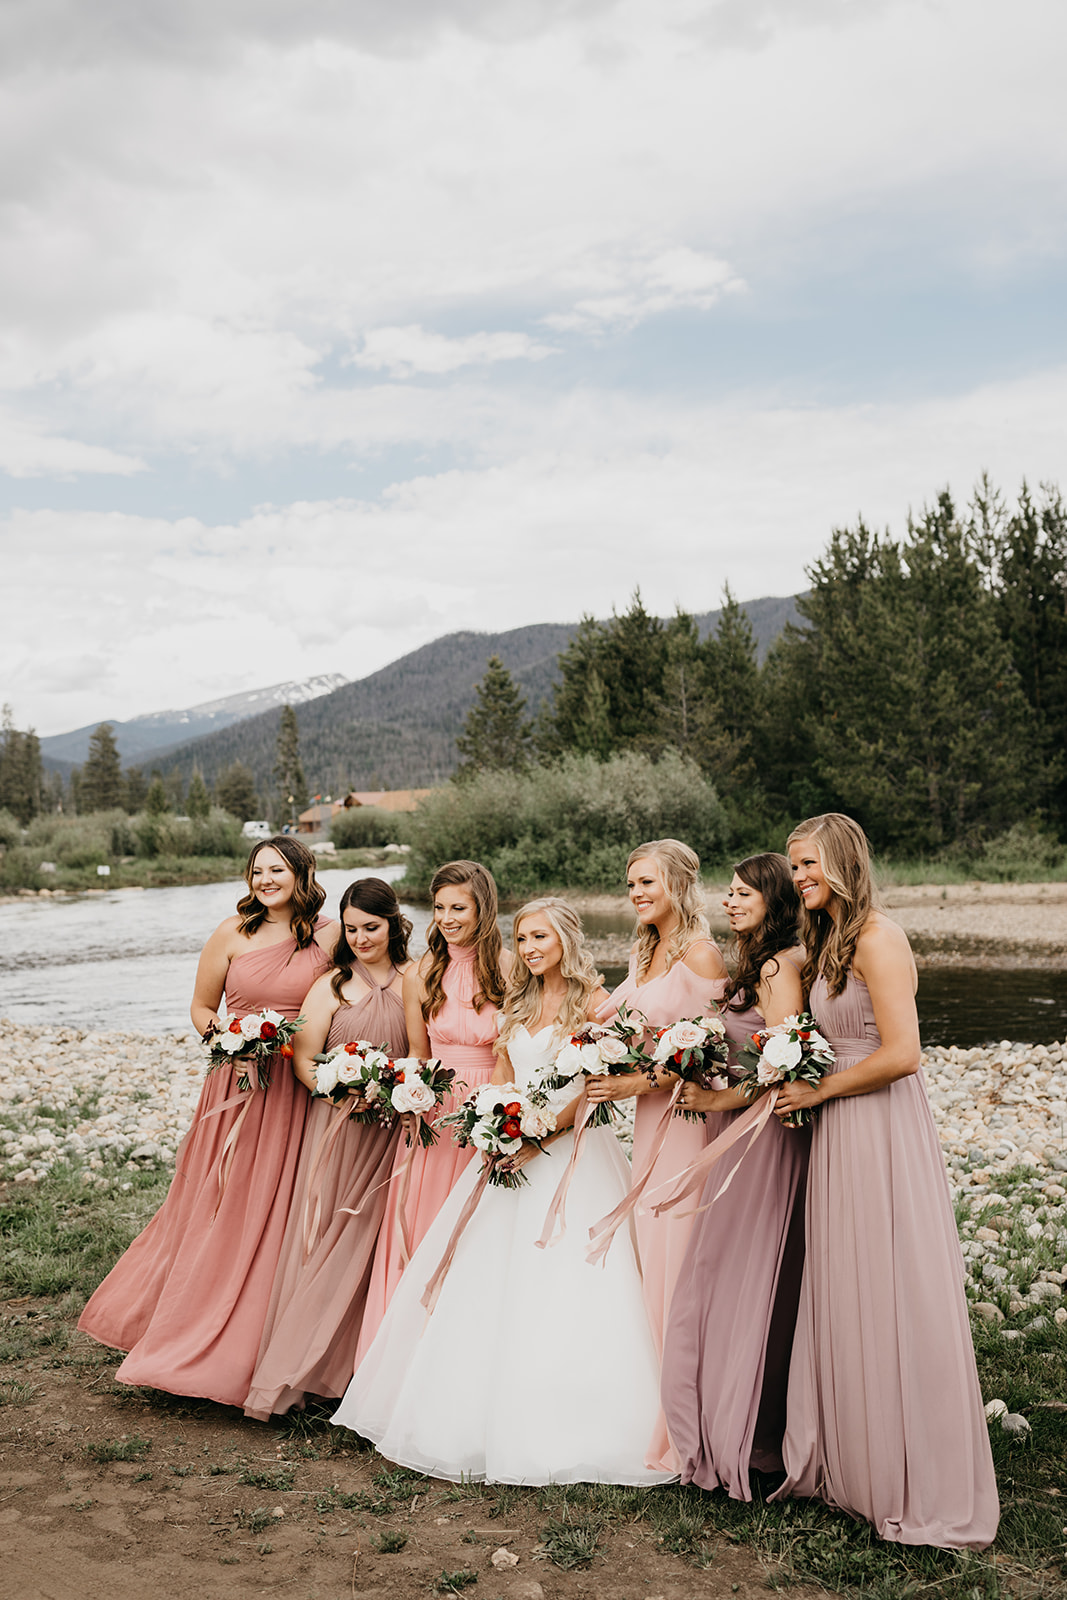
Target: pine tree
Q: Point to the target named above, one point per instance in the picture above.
(235, 792)
(136, 789)
(21, 772)
(157, 801)
(287, 767)
(497, 735)
(197, 801)
(102, 788)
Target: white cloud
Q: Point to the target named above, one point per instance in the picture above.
(29, 450)
(675, 280)
(404, 351)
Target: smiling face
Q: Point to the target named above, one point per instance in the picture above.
(649, 896)
(456, 913)
(367, 935)
(744, 906)
(538, 944)
(272, 880)
(811, 885)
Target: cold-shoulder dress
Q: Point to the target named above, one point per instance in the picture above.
(189, 1297)
(885, 1415)
(320, 1288)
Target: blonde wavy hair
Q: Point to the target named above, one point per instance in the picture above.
(679, 867)
(846, 865)
(525, 989)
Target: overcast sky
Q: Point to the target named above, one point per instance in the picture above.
(327, 328)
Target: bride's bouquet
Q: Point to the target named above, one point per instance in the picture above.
(249, 1043)
(792, 1049)
(694, 1049)
(495, 1119)
(595, 1050)
(388, 1087)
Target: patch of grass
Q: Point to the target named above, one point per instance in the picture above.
(399, 1483)
(17, 1392)
(182, 1472)
(311, 1423)
(455, 1582)
(56, 1236)
(134, 1449)
(572, 1542)
(255, 1521)
(278, 1478)
(143, 1477)
(391, 1541)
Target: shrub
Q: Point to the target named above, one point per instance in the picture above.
(10, 830)
(367, 828)
(217, 834)
(569, 825)
(1023, 851)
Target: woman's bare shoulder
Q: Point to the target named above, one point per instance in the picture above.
(705, 959)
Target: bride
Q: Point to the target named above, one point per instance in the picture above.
(497, 1382)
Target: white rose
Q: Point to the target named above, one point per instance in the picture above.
(613, 1050)
(327, 1077)
(375, 1058)
(767, 1073)
(665, 1047)
(371, 1090)
(508, 1147)
(493, 1094)
(537, 1122)
(569, 1061)
(782, 1052)
(687, 1035)
(714, 1026)
(591, 1061)
(250, 1026)
(274, 1016)
(230, 1042)
(482, 1138)
(412, 1095)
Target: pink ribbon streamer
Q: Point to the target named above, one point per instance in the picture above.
(557, 1210)
(752, 1122)
(604, 1231)
(433, 1288)
(229, 1148)
(403, 1173)
(313, 1203)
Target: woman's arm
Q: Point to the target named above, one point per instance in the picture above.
(318, 1008)
(884, 961)
(778, 995)
(327, 936)
(211, 977)
(414, 992)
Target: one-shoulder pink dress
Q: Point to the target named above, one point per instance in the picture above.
(320, 1288)
(885, 1415)
(189, 1297)
(662, 1241)
(730, 1328)
(462, 1039)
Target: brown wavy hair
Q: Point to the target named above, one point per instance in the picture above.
(308, 895)
(679, 867)
(488, 945)
(525, 989)
(771, 875)
(846, 864)
(377, 899)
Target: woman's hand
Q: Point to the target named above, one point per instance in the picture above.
(521, 1158)
(799, 1096)
(356, 1101)
(618, 1086)
(693, 1098)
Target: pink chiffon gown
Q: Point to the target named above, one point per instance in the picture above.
(885, 1416)
(320, 1288)
(188, 1298)
(462, 1039)
(662, 1241)
(730, 1329)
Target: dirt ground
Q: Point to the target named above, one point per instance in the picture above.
(315, 1522)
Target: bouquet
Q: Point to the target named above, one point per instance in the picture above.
(793, 1049)
(693, 1048)
(250, 1042)
(594, 1050)
(495, 1119)
(388, 1087)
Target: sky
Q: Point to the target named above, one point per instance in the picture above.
(329, 328)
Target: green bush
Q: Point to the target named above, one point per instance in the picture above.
(10, 830)
(217, 834)
(1023, 852)
(569, 825)
(367, 828)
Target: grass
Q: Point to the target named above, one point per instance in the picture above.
(133, 1449)
(455, 1582)
(279, 1479)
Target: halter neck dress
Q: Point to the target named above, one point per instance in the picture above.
(885, 1416)
(462, 1039)
(189, 1297)
(320, 1288)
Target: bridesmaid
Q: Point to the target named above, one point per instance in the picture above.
(451, 1001)
(730, 1330)
(189, 1297)
(675, 971)
(885, 1413)
(316, 1307)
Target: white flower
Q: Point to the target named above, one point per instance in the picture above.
(538, 1121)
(715, 1027)
(327, 1076)
(492, 1095)
(230, 1042)
(613, 1050)
(482, 1137)
(817, 1041)
(767, 1072)
(250, 1026)
(569, 1062)
(375, 1058)
(412, 1095)
(782, 1052)
(371, 1090)
(687, 1035)
(273, 1016)
(665, 1047)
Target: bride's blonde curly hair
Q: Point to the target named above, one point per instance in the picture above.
(522, 997)
(679, 867)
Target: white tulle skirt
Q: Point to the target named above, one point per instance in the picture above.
(534, 1367)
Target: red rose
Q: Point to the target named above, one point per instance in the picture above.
(399, 1078)
(513, 1109)
(678, 1054)
(285, 1050)
(235, 1026)
(267, 1030)
(351, 1048)
(513, 1128)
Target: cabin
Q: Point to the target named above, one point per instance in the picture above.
(317, 817)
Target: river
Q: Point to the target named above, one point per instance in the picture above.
(126, 959)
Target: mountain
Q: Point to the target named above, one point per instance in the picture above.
(397, 728)
(141, 737)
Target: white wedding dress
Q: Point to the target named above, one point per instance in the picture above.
(534, 1367)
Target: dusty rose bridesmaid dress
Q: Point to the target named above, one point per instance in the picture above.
(730, 1329)
(885, 1415)
(463, 1039)
(320, 1288)
(189, 1297)
(662, 1241)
